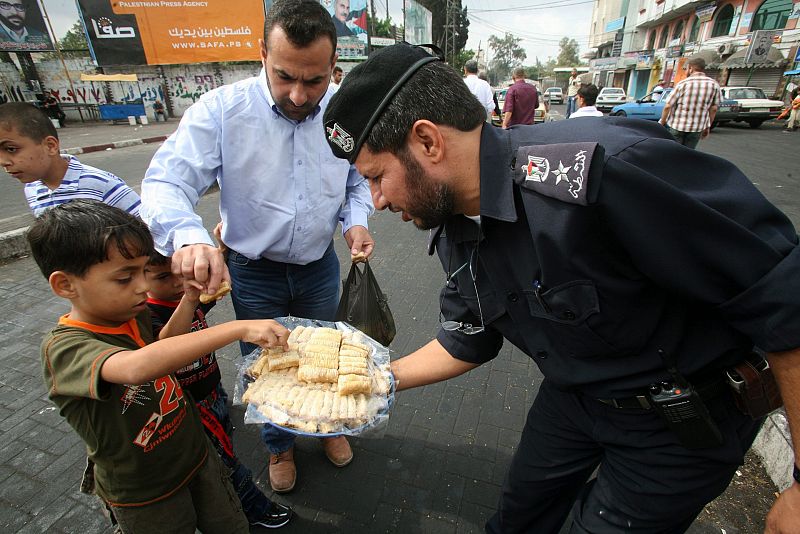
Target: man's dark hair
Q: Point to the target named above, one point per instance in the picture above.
(589, 94)
(698, 63)
(75, 236)
(28, 120)
(303, 21)
(471, 66)
(436, 93)
(337, 68)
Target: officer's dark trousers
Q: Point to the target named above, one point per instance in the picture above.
(646, 483)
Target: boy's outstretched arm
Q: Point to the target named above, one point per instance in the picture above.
(168, 355)
(180, 322)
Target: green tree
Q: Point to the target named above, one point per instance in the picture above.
(507, 54)
(568, 53)
(461, 58)
(382, 27)
(73, 44)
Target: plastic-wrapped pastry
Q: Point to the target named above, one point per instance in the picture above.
(353, 384)
(284, 360)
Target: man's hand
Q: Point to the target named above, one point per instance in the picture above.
(784, 518)
(705, 133)
(359, 240)
(202, 263)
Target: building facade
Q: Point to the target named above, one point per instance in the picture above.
(658, 37)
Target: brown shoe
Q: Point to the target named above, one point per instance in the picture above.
(338, 450)
(282, 471)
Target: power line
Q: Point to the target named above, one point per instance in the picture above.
(525, 35)
(547, 5)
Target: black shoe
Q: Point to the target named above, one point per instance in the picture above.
(277, 515)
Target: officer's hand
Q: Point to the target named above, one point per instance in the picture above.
(784, 518)
(203, 263)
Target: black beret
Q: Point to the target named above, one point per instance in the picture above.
(365, 93)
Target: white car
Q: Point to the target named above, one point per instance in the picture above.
(746, 104)
(610, 97)
(554, 95)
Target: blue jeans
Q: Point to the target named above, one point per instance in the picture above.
(571, 105)
(689, 139)
(263, 289)
(219, 429)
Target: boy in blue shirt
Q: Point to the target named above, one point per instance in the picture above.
(175, 311)
(29, 151)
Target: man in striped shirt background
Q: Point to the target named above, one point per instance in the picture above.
(30, 152)
(690, 109)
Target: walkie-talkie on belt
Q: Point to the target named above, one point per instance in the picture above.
(683, 410)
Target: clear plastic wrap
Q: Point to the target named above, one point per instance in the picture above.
(269, 385)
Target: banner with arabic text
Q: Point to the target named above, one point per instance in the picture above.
(22, 27)
(164, 32)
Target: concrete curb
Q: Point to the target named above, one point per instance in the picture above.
(774, 445)
(116, 144)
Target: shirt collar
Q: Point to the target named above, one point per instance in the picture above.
(264, 88)
(14, 36)
(71, 178)
(497, 183)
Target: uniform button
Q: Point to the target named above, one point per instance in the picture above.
(569, 315)
(300, 197)
(513, 297)
(299, 161)
(542, 354)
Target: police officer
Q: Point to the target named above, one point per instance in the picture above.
(634, 271)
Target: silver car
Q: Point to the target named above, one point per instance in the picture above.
(610, 97)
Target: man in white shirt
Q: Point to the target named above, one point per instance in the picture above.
(573, 84)
(478, 87)
(282, 193)
(586, 99)
(336, 78)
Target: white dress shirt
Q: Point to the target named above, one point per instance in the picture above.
(482, 91)
(586, 111)
(282, 191)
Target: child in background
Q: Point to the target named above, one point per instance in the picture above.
(29, 151)
(153, 464)
(176, 312)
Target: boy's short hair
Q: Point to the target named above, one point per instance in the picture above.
(589, 94)
(158, 260)
(28, 120)
(337, 68)
(75, 236)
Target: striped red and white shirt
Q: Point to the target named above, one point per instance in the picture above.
(691, 101)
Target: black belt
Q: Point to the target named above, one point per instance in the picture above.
(707, 390)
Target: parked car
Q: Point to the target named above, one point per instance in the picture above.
(542, 112)
(746, 104)
(554, 95)
(649, 107)
(610, 97)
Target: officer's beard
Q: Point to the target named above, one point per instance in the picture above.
(428, 202)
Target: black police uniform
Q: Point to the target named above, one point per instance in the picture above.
(592, 258)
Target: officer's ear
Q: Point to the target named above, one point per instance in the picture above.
(426, 141)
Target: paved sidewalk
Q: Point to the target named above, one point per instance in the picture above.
(81, 138)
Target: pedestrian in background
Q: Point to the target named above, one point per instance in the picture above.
(690, 109)
(586, 98)
(479, 88)
(521, 102)
(573, 84)
(281, 200)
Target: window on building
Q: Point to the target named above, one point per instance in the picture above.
(694, 33)
(651, 40)
(772, 15)
(722, 22)
(677, 32)
(662, 40)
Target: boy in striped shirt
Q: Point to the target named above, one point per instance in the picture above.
(29, 151)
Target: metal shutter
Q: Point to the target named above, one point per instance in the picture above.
(766, 79)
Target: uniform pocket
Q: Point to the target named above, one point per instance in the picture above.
(566, 312)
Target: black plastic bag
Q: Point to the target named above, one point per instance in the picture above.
(364, 306)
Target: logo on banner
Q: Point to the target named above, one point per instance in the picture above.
(104, 29)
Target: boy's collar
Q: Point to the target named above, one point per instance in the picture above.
(129, 328)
